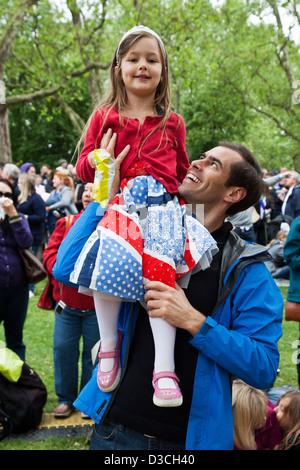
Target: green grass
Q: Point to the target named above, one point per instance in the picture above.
(38, 337)
(287, 348)
(52, 443)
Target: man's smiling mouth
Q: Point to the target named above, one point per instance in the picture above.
(193, 178)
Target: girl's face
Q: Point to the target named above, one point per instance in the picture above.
(281, 414)
(142, 68)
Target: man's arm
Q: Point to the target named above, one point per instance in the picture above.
(247, 346)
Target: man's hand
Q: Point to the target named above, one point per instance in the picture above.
(172, 305)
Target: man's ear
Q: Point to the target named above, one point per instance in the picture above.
(235, 194)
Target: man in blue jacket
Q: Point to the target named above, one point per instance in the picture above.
(228, 323)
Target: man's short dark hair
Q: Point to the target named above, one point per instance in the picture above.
(246, 174)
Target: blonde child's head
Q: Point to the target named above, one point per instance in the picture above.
(249, 407)
(288, 416)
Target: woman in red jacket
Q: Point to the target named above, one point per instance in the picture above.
(74, 318)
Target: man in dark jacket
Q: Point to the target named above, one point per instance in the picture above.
(291, 203)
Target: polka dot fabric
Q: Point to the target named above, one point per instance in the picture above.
(146, 234)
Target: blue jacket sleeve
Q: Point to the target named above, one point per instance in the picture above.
(242, 337)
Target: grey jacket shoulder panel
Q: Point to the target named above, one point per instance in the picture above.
(237, 254)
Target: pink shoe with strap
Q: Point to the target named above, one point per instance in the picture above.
(108, 381)
(166, 397)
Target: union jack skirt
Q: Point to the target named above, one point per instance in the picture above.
(146, 234)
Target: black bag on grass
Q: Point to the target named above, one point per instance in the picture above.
(23, 401)
(5, 424)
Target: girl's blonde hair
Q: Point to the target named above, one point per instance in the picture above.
(27, 188)
(117, 96)
(292, 409)
(66, 180)
(249, 407)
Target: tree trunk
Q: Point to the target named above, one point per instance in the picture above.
(76, 120)
(6, 42)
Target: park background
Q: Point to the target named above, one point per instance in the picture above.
(234, 68)
(235, 75)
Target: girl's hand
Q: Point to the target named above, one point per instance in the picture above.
(108, 143)
(91, 160)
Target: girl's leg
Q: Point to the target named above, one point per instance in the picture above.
(164, 336)
(107, 312)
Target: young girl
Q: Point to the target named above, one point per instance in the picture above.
(288, 415)
(146, 232)
(255, 426)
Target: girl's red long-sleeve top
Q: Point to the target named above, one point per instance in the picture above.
(163, 154)
(61, 291)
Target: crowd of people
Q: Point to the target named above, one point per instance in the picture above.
(40, 200)
(268, 222)
(44, 196)
(221, 338)
(51, 200)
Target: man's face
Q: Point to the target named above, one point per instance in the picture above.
(288, 180)
(206, 177)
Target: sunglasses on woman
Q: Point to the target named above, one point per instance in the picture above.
(10, 195)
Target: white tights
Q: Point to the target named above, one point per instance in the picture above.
(164, 334)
